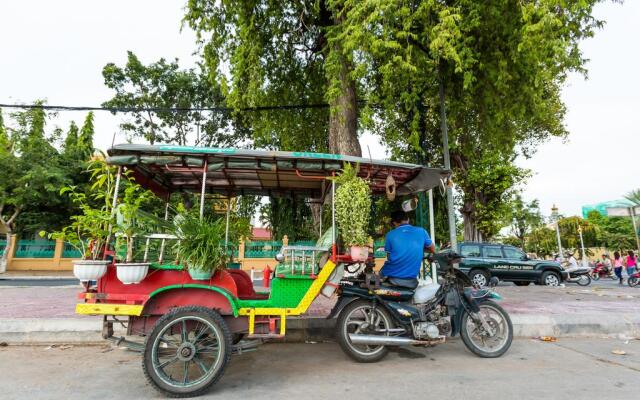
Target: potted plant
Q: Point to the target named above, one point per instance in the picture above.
(353, 205)
(200, 245)
(89, 230)
(130, 222)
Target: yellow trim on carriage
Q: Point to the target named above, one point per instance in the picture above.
(109, 309)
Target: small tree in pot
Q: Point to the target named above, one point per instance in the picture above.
(130, 222)
(353, 207)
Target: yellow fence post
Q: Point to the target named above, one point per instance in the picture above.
(57, 253)
(11, 250)
(241, 252)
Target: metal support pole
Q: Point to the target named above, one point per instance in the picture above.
(632, 212)
(166, 218)
(226, 229)
(432, 232)
(113, 208)
(204, 186)
(559, 242)
(333, 216)
(447, 165)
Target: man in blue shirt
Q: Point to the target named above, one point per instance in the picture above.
(405, 246)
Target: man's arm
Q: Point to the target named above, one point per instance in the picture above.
(428, 243)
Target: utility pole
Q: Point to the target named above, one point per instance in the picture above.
(556, 217)
(584, 255)
(447, 164)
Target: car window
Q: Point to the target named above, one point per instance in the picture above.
(492, 251)
(470, 250)
(513, 253)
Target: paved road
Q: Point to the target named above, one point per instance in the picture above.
(568, 369)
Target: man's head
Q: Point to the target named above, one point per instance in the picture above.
(399, 217)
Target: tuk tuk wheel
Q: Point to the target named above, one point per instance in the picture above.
(187, 351)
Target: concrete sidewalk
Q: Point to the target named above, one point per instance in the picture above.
(46, 314)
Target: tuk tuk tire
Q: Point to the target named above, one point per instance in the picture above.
(147, 362)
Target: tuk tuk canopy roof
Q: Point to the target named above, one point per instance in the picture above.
(165, 169)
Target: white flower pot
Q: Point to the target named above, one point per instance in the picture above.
(89, 270)
(129, 273)
(359, 253)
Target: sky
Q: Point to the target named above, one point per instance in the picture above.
(55, 50)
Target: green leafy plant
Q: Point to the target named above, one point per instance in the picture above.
(131, 221)
(88, 231)
(201, 242)
(353, 206)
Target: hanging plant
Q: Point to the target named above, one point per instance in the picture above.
(353, 206)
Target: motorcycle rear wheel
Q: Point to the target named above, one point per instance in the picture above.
(633, 281)
(351, 319)
(474, 336)
(584, 280)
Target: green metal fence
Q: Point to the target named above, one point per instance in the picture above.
(35, 249)
(262, 249)
(303, 243)
(378, 248)
(70, 252)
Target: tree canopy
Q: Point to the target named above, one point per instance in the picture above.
(162, 85)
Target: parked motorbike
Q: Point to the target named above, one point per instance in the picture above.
(372, 316)
(601, 271)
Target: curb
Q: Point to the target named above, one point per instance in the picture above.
(36, 278)
(320, 329)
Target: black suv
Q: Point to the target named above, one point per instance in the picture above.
(484, 260)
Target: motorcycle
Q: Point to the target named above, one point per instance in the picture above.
(372, 316)
(634, 279)
(601, 271)
(580, 275)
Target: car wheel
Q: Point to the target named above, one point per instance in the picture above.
(550, 278)
(520, 283)
(479, 277)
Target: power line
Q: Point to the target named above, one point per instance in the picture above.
(167, 109)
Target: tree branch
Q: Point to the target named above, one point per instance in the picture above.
(14, 216)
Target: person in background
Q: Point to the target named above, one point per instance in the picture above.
(617, 266)
(606, 261)
(572, 263)
(631, 262)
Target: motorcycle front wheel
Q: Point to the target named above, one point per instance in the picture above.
(595, 276)
(478, 340)
(633, 281)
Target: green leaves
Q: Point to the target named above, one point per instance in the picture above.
(353, 207)
(201, 242)
(164, 85)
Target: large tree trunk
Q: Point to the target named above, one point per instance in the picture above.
(343, 119)
(471, 232)
(5, 253)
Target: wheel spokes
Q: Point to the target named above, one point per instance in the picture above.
(170, 361)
